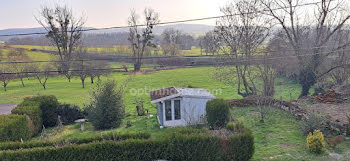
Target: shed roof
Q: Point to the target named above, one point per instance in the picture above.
(172, 92)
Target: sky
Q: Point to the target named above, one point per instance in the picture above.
(106, 13)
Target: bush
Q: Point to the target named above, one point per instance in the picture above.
(113, 136)
(241, 146)
(311, 123)
(174, 146)
(48, 106)
(14, 128)
(177, 147)
(217, 113)
(31, 109)
(235, 126)
(69, 113)
(106, 109)
(315, 141)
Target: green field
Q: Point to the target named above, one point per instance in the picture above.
(121, 49)
(33, 55)
(140, 85)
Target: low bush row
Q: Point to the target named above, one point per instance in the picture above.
(178, 147)
(14, 127)
(171, 147)
(83, 140)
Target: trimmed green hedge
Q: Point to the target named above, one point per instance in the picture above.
(101, 137)
(31, 109)
(14, 128)
(177, 147)
(217, 113)
(242, 144)
(172, 147)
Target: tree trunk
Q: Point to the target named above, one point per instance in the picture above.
(44, 85)
(5, 86)
(83, 82)
(92, 80)
(307, 79)
(22, 82)
(137, 67)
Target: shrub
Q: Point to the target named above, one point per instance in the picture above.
(217, 113)
(311, 123)
(171, 147)
(315, 141)
(240, 147)
(31, 109)
(81, 140)
(235, 126)
(177, 147)
(14, 128)
(106, 109)
(69, 113)
(48, 106)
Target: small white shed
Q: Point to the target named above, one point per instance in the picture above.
(181, 106)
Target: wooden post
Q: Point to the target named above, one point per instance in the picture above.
(82, 126)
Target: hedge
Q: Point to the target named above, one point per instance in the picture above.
(101, 137)
(217, 113)
(48, 106)
(31, 109)
(242, 144)
(14, 128)
(174, 147)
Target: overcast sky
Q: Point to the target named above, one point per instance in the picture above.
(105, 13)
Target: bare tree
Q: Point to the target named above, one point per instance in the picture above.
(171, 41)
(42, 73)
(242, 35)
(64, 31)
(17, 56)
(140, 39)
(211, 43)
(340, 57)
(81, 68)
(315, 34)
(5, 76)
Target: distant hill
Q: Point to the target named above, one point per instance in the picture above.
(193, 29)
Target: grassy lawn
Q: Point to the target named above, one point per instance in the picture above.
(279, 137)
(139, 86)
